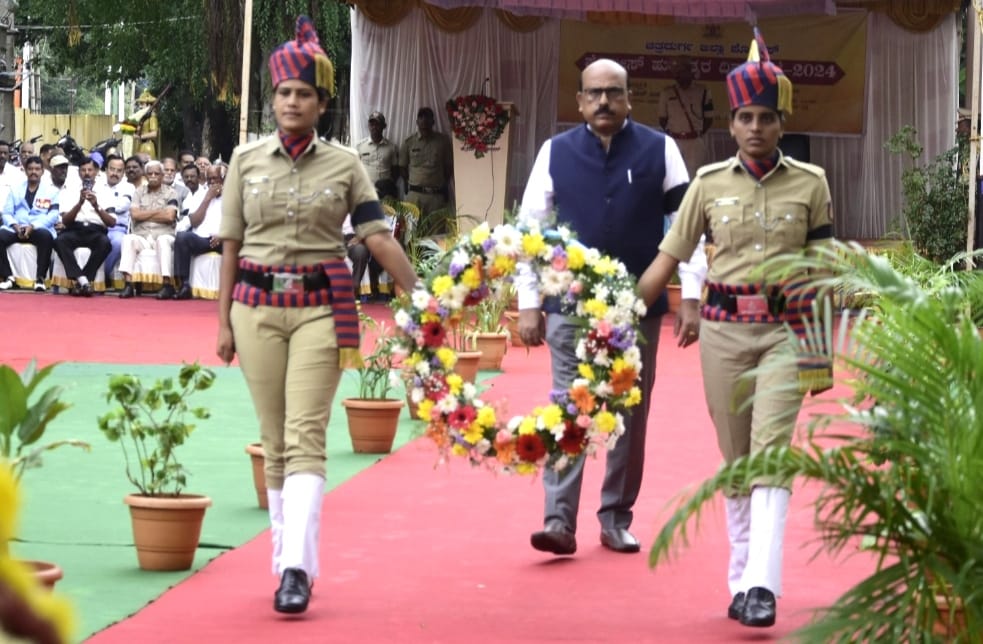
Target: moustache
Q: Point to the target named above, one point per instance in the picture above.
(603, 110)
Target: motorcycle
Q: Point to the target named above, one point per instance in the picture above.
(76, 154)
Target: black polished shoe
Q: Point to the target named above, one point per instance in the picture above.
(166, 292)
(184, 293)
(736, 607)
(75, 290)
(556, 538)
(85, 290)
(759, 607)
(294, 592)
(127, 292)
(619, 540)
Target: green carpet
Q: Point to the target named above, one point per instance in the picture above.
(73, 512)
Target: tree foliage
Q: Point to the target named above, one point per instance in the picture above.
(193, 45)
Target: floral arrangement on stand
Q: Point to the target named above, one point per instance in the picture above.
(477, 120)
(578, 420)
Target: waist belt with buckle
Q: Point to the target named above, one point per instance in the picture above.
(757, 304)
(427, 190)
(285, 282)
(684, 136)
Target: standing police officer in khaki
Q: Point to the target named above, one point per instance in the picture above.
(377, 153)
(426, 162)
(758, 205)
(286, 303)
(686, 113)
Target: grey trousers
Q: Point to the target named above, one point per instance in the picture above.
(623, 474)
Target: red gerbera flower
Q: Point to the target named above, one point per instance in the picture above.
(433, 334)
(573, 438)
(530, 448)
(462, 417)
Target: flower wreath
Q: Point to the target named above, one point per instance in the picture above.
(478, 120)
(592, 287)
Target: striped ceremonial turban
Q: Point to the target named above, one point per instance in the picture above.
(303, 59)
(759, 81)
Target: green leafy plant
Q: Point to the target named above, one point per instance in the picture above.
(936, 198)
(898, 460)
(23, 421)
(150, 422)
(486, 316)
(378, 374)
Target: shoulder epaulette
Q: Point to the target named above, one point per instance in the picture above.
(713, 167)
(808, 167)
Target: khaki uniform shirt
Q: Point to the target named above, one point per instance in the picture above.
(430, 160)
(685, 117)
(751, 221)
(378, 158)
(290, 212)
(143, 198)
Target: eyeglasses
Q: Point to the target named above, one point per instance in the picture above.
(594, 94)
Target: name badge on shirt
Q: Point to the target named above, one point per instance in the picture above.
(727, 201)
(42, 204)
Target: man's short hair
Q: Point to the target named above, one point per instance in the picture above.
(424, 111)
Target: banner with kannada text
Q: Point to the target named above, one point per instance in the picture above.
(824, 56)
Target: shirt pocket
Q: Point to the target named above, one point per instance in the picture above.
(421, 158)
(724, 221)
(328, 207)
(790, 224)
(259, 199)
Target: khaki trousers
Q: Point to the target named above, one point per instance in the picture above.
(728, 350)
(289, 357)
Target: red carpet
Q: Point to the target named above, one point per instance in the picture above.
(413, 551)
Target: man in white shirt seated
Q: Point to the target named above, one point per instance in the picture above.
(203, 236)
(87, 213)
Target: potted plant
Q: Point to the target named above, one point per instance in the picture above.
(901, 469)
(372, 415)
(150, 423)
(23, 423)
(489, 334)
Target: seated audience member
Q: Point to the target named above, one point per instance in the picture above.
(191, 179)
(359, 253)
(152, 216)
(203, 236)
(123, 191)
(87, 214)
(29, 216)
(133, 169)
(171, 175)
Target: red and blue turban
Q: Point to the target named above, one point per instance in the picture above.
(303, 59)
(759, 81)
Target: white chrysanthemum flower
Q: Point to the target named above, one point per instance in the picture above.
(508, 241)
(469, 391)
(633, 355)
(447, 405)
(581, 351)
(552, 282)
(602, 358)
(417, 395)
(422, 368)
(603, 389)
(483, 446)
(402, 319)
(420, 298)
(602, 292)
(557, 430)
(459, 260)
(640, 308)
(514, 423)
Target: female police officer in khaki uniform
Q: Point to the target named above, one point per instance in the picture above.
(286, 303)
(757, 205)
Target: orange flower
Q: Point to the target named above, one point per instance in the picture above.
(583, 399)
(622, 381)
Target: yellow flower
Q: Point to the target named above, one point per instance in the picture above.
(634, 397)
(471, 278)
(525, 468)
(575, 257)
(447, 358)
(442, 284)
(424, 409)
(486, 416)
(528, 425)
(454, 383)
(459, 450)
(605, 266)
(605, 421)
(585, 371)
(596, 308)
(503, 265)
(551, 415)
(473, 433)
(411, 360)
(8, 506)
(480, 234)
(533, 244)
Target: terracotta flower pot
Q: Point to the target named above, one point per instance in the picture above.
(467, 365)
(513, 327)
(674, 294)
(372, 424)
(166, 529)
(258, 460)
(492, 347)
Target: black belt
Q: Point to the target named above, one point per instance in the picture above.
(270, 281)
(427, 190)
(728, 303)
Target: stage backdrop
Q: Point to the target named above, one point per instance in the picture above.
(824, 56)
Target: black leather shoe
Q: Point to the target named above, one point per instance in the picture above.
(183, 293)
(556, 538)
(294, 592)
(75, 290)
(759, 608)
(85, 290)
(736, 607)
(127, 292)
(619, 540)
(166, 292)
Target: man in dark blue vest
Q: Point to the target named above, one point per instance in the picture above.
(614, 182)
